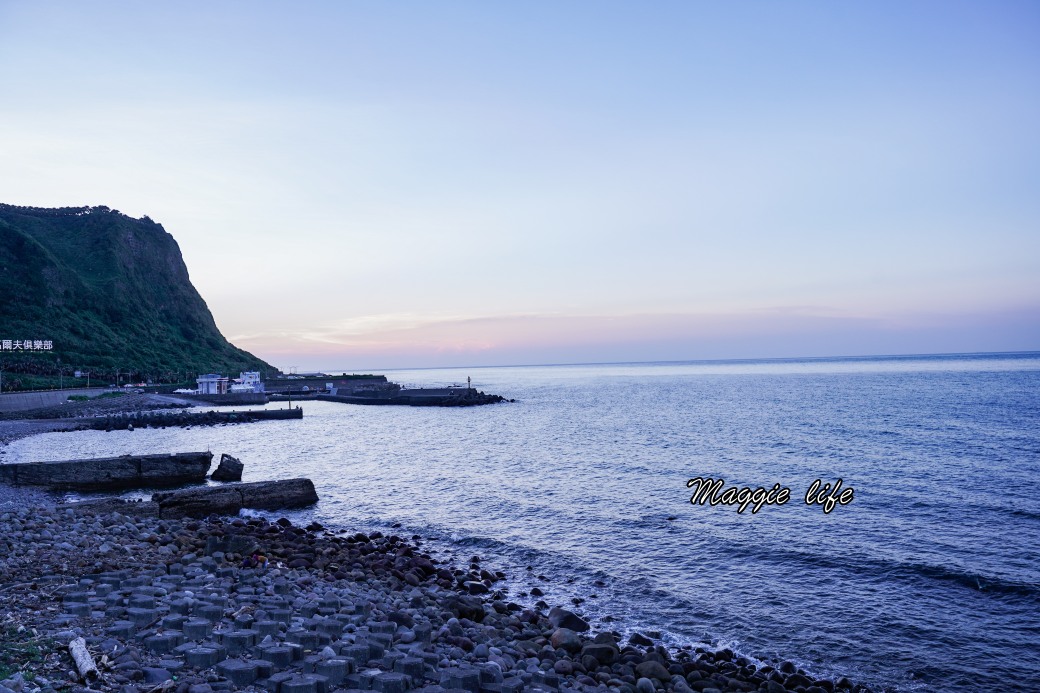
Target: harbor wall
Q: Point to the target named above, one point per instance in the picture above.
(23, 401)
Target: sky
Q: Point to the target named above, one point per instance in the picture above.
(422, 184)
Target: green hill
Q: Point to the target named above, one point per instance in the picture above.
(111, 293)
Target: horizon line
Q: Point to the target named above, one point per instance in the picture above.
(681, 361)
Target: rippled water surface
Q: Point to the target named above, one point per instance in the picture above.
(927, 580)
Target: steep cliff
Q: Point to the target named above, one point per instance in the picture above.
(108, 292)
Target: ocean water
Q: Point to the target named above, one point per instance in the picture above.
(929, 579)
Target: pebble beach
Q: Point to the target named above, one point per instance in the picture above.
(166, 605)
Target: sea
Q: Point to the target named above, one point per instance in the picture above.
(926, 578)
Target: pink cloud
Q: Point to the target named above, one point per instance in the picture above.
(783, 332)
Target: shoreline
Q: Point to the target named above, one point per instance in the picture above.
(15, 429)
(165, 598)
(51, 548)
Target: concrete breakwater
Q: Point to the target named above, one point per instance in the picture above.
(102, 474)
(134, 419)
(231, 498)
(182, 605)
(440, 397)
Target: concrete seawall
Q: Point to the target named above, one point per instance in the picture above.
(22, 401)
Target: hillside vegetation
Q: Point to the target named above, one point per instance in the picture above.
(111, 293)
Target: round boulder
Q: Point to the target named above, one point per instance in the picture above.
(567, 639)
(654, 670)
(561, 618)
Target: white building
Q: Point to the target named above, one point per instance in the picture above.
(248, 381)
(212, 384)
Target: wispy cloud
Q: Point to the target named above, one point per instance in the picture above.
(406, 340)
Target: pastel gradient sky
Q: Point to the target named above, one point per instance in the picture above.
(413, 184)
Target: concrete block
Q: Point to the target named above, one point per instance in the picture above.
(360, 654)
(77, 609)
(463, 679)
(209, 612)
(160, 644)
(275, 681)
(279, 655)
(141, 617)
(412, 667)
(197, 629)
(391, 682)
(238, 671)
(123, 630)
(300, 684)
(335, 670)
(266, 628)
(201, 657)
(513, 685)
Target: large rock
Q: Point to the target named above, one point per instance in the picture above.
(103, 474)
(567, 639)
(797, 679)
(605, 653)
(228, 500)
(640, 640)
(229, 469)
(467, 607)
(561, 618)
(653, 670)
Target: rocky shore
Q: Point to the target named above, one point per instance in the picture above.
(189, 606)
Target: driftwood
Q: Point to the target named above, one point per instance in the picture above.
(88, 671)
